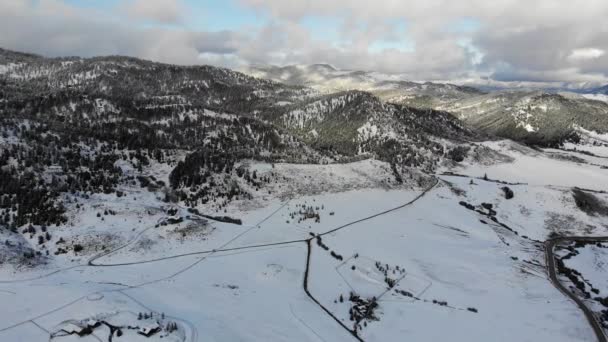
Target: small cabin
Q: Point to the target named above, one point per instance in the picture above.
(149, 330)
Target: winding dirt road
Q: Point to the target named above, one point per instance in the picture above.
(91, 262)
(552, 270)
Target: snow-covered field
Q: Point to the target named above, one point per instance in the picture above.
(330, 243)
(597, 97)
(583, 271)
(540, 169)
(591, 263)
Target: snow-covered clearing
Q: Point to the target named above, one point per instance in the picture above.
(591, 263)
(466, 263)
(581, 269)
(536, 168)
(437, 269)
(597, 97)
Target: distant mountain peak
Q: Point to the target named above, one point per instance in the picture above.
(390, 88)
(603, 90)
(324, 66)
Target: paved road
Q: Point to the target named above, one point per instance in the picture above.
(549, 247)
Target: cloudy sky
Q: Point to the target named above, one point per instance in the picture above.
(500, 40)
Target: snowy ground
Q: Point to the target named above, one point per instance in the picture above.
(537, 168)
(591, 262)
(586, 262)
(449, 255)
(437, 269)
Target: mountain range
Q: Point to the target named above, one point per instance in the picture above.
(536, 116)
(83, 117)
(149, 201)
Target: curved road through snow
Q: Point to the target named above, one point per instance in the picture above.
(552, 270)
(91, 262)
(549, 254)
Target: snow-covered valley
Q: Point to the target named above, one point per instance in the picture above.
(334, 252)
(142, 201)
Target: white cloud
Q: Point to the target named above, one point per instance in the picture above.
(509, 40)
(528, 36)
(586, 53)
(53, 28)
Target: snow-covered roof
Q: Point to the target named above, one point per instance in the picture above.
(72, 328)
(149, 329)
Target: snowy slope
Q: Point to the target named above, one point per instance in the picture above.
(479, 279)
(200, 204)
